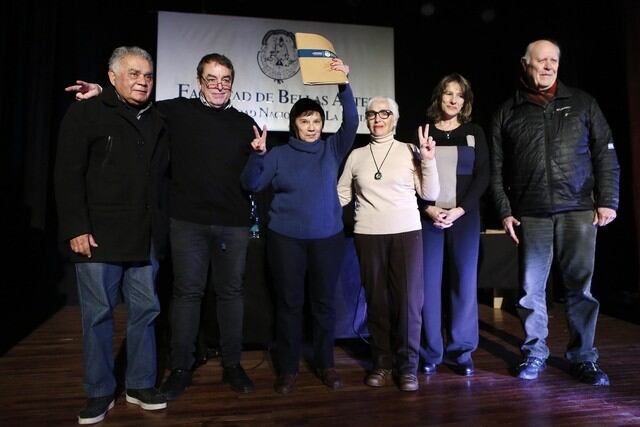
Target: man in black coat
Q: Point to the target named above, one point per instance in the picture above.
(110, 188)
(555, 174)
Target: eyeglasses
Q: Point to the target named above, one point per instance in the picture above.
(384, 114)
(214, 82)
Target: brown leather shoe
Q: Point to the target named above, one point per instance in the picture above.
(378, 377)
(331, 379)
(408, 382)
(285, 383)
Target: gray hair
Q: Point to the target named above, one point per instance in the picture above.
(527, 53)
(122, 51)
(393, 105)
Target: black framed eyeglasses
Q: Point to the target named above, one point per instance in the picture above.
(213, 82)
(384, 114)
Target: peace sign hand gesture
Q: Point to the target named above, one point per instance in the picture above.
(259, 143)
(427, 144)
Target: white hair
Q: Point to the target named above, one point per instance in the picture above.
(393, 106)
(527, 54)
(122, 51)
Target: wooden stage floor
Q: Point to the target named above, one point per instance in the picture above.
(41, 384)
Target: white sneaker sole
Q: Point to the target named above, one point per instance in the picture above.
(146, 406)
(97, 419)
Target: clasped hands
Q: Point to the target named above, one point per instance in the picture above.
(443, 218)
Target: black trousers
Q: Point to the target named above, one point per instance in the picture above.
(195, 248)
(294, 262)
(392, 275)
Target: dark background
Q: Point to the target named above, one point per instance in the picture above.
(46, 46)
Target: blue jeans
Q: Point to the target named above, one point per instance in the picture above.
(568, 239)
(98, 286)
(195, 248)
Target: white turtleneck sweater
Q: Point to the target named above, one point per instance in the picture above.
(387, 205)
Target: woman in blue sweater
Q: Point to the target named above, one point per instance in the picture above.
(451, 229)
(305, 238)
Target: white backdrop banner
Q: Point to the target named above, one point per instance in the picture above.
(267, 74)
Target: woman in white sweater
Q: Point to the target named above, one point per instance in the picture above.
(385, 176)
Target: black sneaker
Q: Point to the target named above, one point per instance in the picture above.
(175, 384)
(237, 379)
(149, 399)
(95, 410)
(589, 373)
(530, 368)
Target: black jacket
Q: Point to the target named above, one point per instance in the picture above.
(111, 179)
(557, 158)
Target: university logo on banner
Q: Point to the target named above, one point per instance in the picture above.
(277, 57)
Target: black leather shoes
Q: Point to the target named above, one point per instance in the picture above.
(175, 384)
(589, 373)
(428, 368)
(285, 383)
(237, 379)
(331, 379)
(465, 369)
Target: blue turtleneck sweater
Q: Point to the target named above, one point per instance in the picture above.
(304, 175)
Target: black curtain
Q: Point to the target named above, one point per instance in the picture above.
(633, 71)
(27, 119)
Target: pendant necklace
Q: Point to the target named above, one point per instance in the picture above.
(378, 174)
(447, 133)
